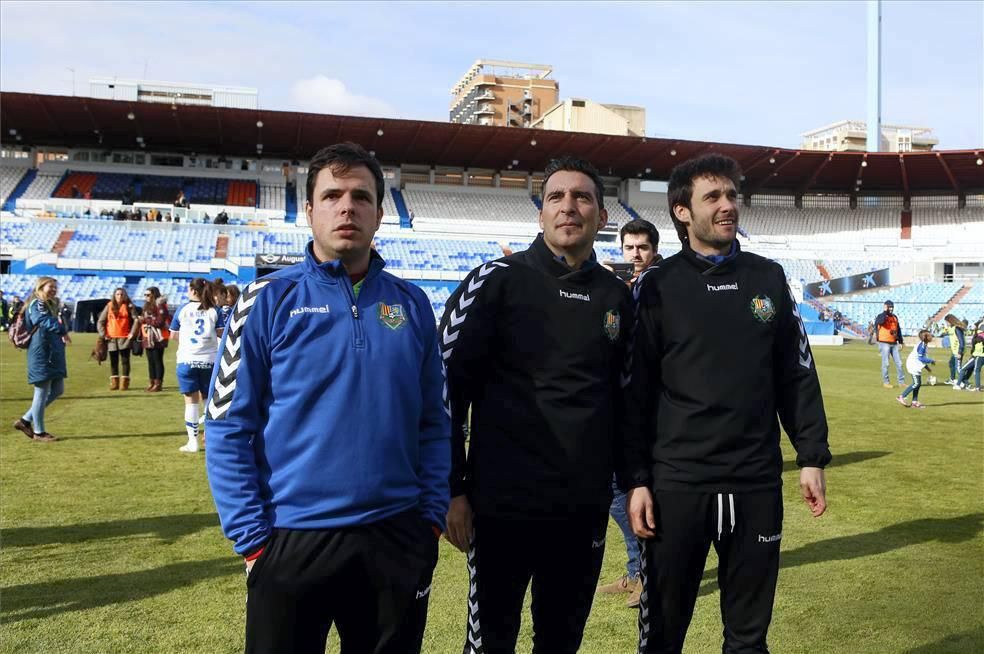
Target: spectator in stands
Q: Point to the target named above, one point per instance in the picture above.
(118, 325)
(4, 313)
(917, 360)
(640, 242)
(702, 462)
(197, 328)
(530, 498)
(180, 200)
(167, 217)
(222, 218)
(155, 334)
(76, 193)
(329, 477)
(889, 337)
(955, 330)
(46, 366)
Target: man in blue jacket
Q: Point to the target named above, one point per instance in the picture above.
(328, 440)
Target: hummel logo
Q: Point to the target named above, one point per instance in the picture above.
(584, 297)
(299, 310)
(723, 287)
(595, 544)
(424, 593)
(770, 539)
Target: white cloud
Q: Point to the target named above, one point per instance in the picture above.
(324, 95)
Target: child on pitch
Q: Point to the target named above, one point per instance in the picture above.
(915, 363)
(976, 362)
(197, 328)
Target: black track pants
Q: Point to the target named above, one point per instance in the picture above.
(746, 529)
(371, 581)
(562, 558)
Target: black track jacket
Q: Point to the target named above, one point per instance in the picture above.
(535, 350)
(718, 352)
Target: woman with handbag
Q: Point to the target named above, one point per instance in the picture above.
(118, 325)
(46, 367)
(155, 335)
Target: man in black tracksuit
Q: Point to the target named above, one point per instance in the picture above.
(534, 347)
(719, 352)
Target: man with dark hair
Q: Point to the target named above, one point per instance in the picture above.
(533, 344)
(328, 439)
(888, 333)
(640, 240)
(702, 462)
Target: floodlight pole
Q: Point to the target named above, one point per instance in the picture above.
(874, 76)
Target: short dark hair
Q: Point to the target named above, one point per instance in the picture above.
(340, 158)
(576, 165)
(680, 187)
(640, 226)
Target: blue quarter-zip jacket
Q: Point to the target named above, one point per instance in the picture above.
(327, 410)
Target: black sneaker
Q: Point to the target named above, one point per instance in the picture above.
(25, 427)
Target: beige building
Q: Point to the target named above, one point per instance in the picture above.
(852, 136)
(581, 115)
(503, 93)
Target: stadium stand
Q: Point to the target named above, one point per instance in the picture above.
(915, 304)
(272, 197)
(472, 205)
(116, 241)
(72, 288)
(42, 187)
(9, 178)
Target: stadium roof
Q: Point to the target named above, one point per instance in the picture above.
(79, 122)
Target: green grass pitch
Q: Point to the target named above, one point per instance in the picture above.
(109, 540)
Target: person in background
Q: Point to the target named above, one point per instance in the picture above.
(155, 334)
(118, 324)
(16, 304)
(955, 329)
(197, 328)
(889, 337)
(976, 361)
(640, 242)
(231, 297)
(65, 313)
(46, 365)
(4, 313)
(915, 363)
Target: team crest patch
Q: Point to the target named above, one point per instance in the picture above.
(612, 323)
(392, 315)
(763, 309)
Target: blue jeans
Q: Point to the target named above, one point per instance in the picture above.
(955, 363)
(621, 518)
(45, 393)
(914, 388)
(891, 350)
(974, 365)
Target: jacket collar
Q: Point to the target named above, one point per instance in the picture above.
(332, 271)
(549, 262)
(711, 265)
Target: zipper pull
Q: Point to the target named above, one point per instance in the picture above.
(355, 312)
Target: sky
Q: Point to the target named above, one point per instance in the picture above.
(736, 72)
